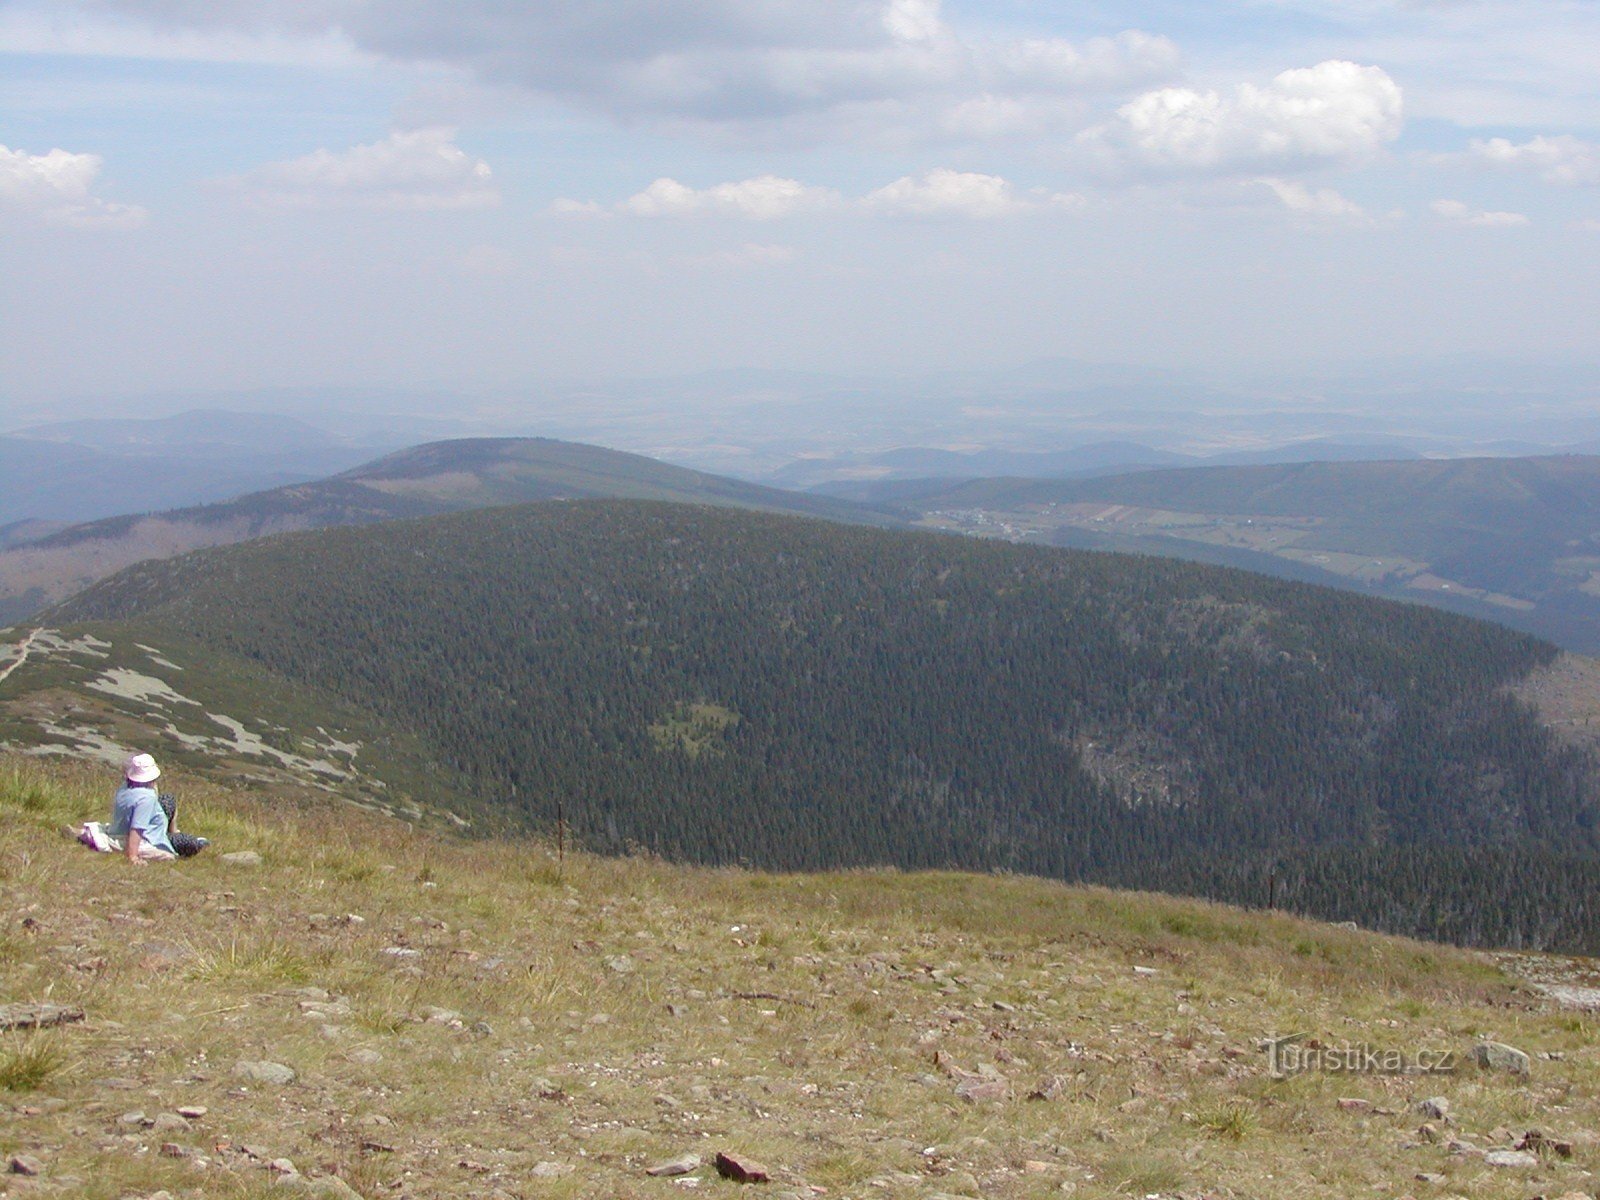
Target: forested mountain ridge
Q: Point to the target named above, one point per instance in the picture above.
(723, 686)
(1513, 539)
(436, 477)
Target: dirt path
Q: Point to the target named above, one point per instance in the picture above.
(22, 654)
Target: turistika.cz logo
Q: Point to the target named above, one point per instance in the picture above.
(1295, 1055)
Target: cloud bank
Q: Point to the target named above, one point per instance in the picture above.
(55, 189)
(1457, 213)
(1565, 160)
(937, 193)
(1334, 112)
(752, 69)
(416, 170)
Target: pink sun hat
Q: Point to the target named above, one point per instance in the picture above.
(141, 768)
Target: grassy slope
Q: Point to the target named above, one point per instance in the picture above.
(566, 1053)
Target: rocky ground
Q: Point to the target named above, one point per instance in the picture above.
(332, 1003)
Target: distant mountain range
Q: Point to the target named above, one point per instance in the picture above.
(74, 471)
(854, 476)
(434, 478)
(1516, 540)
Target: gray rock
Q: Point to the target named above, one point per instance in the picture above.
(1497, 1056)
(365, 1057)
(677, 1166)
(265, 1072)
(440, 1016)
(1436, 1108)
(330, 1187)
(550, 1170)
(621, 964)
(242, 858)
(37, 1016)
(1511, 1158)
(24, 1164)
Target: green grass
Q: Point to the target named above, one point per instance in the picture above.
(32, 1062)
(560, 1058)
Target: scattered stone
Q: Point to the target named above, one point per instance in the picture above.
(976, 1089)
(1355, 1105)
(1428, 1132)
(1146, 971)
(192, 1112)
(401, 952)
(365, 1057)
(167, 1122)
(740, 1169)
(1432, 1177)
(1435, 1108)
(440, 1016)
(24, 1164)
(1537, 1142)
(1511, 1158)
(173, 1150)
(37, 1016)
(550, 1170)
(326, 1187)
(242, 858)
(265, 1072)
(283, 1166)
(1052, 1088)
(676, 1166)
(1497, 1056)
(326, 1010)
(131, 1118)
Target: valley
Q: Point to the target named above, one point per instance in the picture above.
(1508, 539)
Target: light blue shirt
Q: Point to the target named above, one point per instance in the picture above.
(136, 807)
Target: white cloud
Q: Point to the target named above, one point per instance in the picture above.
(1564, 159)
(1457, 213)
(1333, 112)
(752, 69)
(1317, 204)
(946, 193)
(55, 188)
(937, 193)
(414, 170)
(765, 198)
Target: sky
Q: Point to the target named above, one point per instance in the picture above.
(479, 194)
